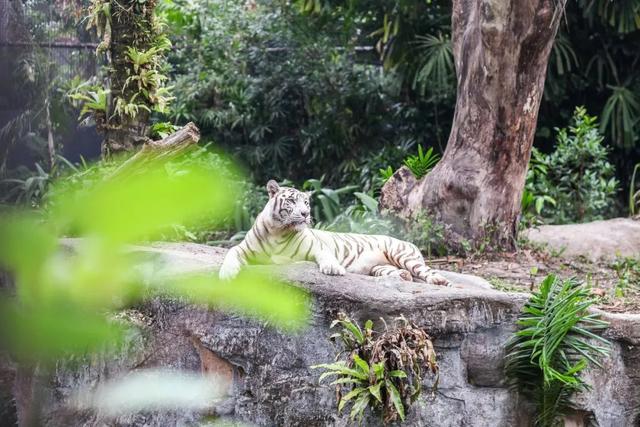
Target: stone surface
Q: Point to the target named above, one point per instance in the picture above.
(593, 240)
(272, 384)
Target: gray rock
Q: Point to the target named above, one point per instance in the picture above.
(592, 240)
(272, 384)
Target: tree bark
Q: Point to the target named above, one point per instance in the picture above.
(501, 49)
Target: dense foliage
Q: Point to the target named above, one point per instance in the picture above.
(292, 98)
(339, 92)
(277, 84)
(574, 183)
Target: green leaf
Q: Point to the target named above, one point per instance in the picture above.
(375, 391)
(357, 411)
(378, 369)
(395, 398)
(50, 332)
(250, 293)
(361, 364)
(368, 325)
(398, 374)
(353, 393)
(369, 202)
(346, 381)
(153, 199)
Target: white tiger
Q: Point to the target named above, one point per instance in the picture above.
(282, 233)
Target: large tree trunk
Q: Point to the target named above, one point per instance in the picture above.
(501, 50)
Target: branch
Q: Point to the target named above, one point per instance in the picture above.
(167, 147)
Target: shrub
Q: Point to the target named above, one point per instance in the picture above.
(576, 182)
(427, 234)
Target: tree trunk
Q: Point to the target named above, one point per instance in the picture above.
(501, 49)
(132, 26)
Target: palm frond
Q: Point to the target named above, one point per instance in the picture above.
(437, 67)
(621, 116)
(563, 57)
(555, 342)
(623, 15)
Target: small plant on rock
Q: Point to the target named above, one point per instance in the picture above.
(422, 164)
(383, 372)
(555, 342)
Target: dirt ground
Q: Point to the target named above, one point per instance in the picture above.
(615, 284)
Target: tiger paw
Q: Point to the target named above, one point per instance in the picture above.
(332, 269)
(229, 269)
(437, 279)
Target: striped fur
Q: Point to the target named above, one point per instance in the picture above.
(282, 234)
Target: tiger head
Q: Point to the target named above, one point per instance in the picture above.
(287, 208)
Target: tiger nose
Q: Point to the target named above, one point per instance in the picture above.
(304, 213)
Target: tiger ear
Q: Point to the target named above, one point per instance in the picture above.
(272, 188)
(308, 193)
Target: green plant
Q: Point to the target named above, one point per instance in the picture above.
(162, 129)
(28, 191)
(427, 234)
(311, 95)
(576, 182)
(386, 173)
(421, 164)
(437, 69)
(555, 342)
(627, 271)
(634, 192)
(361, 216)
(326, 201)
(621, 114)
(135, 46)
(383, 373)
(92, 99)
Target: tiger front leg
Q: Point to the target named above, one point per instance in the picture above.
(232, 264)
(328, 263)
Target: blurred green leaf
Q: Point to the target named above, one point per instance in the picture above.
(55, 330)
(251, 293)
(134, 205)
